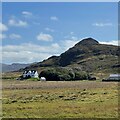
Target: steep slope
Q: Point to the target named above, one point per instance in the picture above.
(87, 54)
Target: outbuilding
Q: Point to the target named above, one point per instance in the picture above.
(42, 78)
(113, 77)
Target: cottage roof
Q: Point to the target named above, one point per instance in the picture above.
(31, 71)
(115, 75)
(26, 71)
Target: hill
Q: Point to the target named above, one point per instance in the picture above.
(88, 55)
(12, 67)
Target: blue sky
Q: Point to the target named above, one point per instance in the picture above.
(35, 31)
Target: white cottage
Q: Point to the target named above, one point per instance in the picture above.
(30, 74)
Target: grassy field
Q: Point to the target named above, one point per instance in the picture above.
(76, 99)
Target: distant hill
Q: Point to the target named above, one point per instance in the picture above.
(88, 54)
(12, 67)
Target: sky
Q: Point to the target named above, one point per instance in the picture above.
(32, 32)
(60, 0)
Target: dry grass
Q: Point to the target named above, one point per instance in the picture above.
(76, 99)
(14, 84)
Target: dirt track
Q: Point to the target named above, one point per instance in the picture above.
(12, 84)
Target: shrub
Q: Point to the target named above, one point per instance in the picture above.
(56, 74)
(82, 75)
(63, 73)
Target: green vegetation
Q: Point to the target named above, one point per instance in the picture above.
(85, 99)
(64, 73)
(33, 79)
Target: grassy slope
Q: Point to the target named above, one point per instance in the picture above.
(86, 100)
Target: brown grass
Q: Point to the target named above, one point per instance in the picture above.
(75, 99)
(16, 84)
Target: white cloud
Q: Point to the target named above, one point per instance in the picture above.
(44, 37)
(3, 27)
(72, 33)
(14, 36)
(54, 18)
(2, 36)
(27, 14)
(23, 57)
(49, 29)
(74, 38)
(55, 46)
(114, 42)
(102, 24)
(17, 23)
(27, 53)
(66, 44)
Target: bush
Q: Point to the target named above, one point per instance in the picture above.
(81, 75)
(63, 73)
(57, 74)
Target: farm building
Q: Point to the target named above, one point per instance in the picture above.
(30, 74)
(42, 78)
(113, 77)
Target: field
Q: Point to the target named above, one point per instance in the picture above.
(76, 99)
